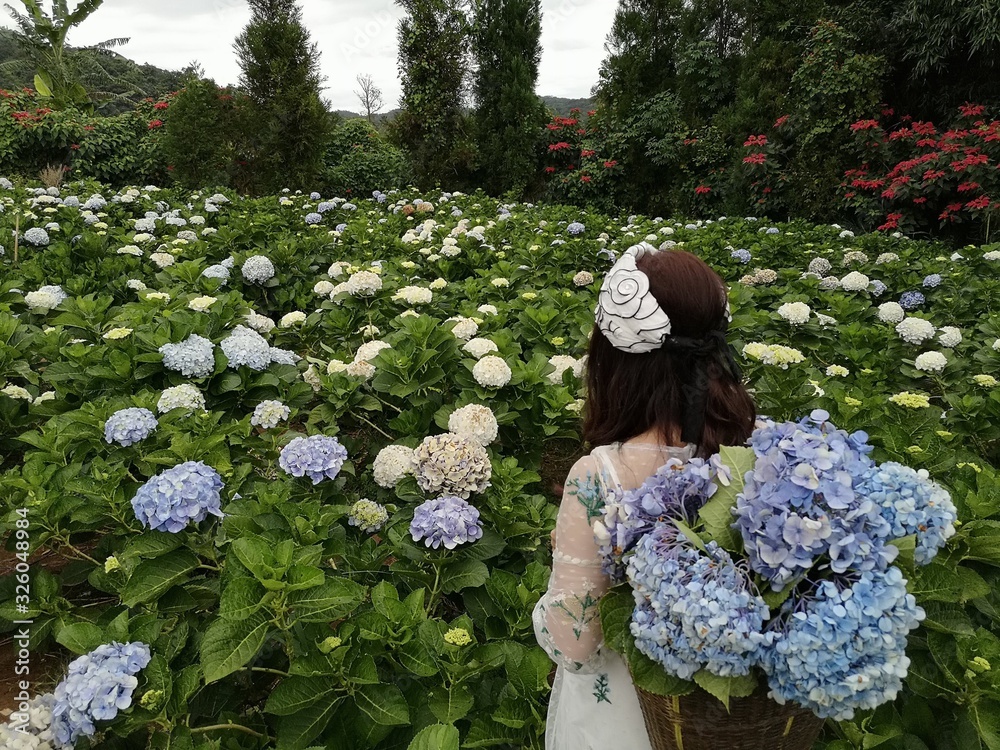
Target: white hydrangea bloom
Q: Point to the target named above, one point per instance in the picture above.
(202, 304)
(260, 323)
(891, 312)
(392, 464)
(45, 298)
(438, 284)
(837, 371)
(487, 309)
(257, 269)
(796, 313)
(269, 414)
(479, 348)
(855, 282)
(950, 337)
(562, 363)
(16, 391)
(337, 269)
(135, 285)
(162, 260)
(364, 284)
(413, 295)
(186, 396)
(464, 328)
(335, 366)
(915, 330)
(129, 250)
(292, 319)
(583, 278)
(361, 369)
(492, 372)
(474, 421)
(369, 350)
(323, 288)
(886, 258)
(931, 362)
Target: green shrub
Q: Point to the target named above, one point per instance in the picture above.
(359, 160)
(200, 143)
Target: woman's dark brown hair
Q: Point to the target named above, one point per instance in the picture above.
(629, 394)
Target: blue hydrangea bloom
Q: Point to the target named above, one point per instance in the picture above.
(244, 347)
(176, 497)
(318, 457)
(913, 505)
(325, 206)
(694, 611)
(349, 207)
(932, 281)
(446, 521)
(742, 255)
(773, 230)
(677, 490)
(314, 196)
(193, 358)
(576, 228)
(97, 686)
(217, 271)
(802, 501)
(877, 288)
(36, 236)
(129, 426)
(314, 218)
(911, 300)
(844, 648)
(283, 356)
(340, 227)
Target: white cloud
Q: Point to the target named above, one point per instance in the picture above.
(354, 37)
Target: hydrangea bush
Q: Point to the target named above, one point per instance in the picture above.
(439, 339)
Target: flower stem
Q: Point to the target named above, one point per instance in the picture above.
(236, 727)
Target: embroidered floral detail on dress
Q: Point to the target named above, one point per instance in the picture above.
(602, 689)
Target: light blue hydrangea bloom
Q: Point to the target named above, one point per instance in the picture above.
(314, 218)
(931, 281)
(911, 300)
(576, 228)
(36, 236)
(318, 457)
(176, 497)
(97, 686)
(217, 271)
(742, 255)
(913, 505)
(843, 648)
(801, 502)
(193, 358)
(129, 426)
(244, 347)
(446, 521)
(694, 610)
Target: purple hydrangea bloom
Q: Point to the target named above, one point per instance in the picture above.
(742, 255)
(97, 686)
(802, 502)
(678, 490)
(911, 300)
(448, 521)
(129, 426)
(694, 611)
(318, 457)
(844, 647)
(913, 505)
(176, 497)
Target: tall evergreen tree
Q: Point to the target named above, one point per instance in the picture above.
(434, 69)
(287, 123)
(509, 114)
(642, 50)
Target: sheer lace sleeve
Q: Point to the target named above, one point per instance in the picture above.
(566, 619)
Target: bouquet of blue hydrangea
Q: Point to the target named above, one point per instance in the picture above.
(772, 564)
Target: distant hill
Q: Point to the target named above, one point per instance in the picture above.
(127, 78)
(556, 104)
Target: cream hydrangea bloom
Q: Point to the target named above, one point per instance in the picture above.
(476, 422)
(492, 372)
(392, 464)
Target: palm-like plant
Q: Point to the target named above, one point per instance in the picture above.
(42, 36)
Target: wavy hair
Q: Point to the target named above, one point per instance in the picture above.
(629, 394)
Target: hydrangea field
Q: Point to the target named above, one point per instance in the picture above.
(282, 472)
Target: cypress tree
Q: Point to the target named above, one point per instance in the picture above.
(434, 70)
(286, 121)
(509, 115)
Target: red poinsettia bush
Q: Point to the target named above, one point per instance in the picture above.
(916, 176)
(580, 166)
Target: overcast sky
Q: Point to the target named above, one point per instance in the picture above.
(354, 36)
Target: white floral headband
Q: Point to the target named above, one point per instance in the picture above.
(627, 312)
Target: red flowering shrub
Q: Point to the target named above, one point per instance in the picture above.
(917, 176)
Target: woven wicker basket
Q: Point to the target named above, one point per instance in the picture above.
(699, 721)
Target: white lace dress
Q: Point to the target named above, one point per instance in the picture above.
(593, 704)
